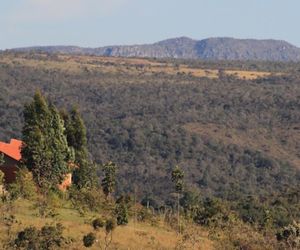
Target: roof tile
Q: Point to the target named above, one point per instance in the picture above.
(12, 149)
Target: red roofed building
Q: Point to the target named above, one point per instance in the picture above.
(12, 156)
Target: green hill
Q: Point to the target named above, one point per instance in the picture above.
(233, 137)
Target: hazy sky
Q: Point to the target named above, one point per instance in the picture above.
(109, 22)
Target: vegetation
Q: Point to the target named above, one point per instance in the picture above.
(121, 211)
(89, 239)
(48, 237)
(24, 186)
(109, 180)
(98, 223)
(84, 175)
(45, 150)
(151, 122)
(236, 140)
(290, 235)
(177, 179)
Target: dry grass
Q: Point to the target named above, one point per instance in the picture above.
(133, 236)
(130, 66)
(249, 75)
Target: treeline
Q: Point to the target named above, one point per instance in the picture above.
(55, 144)
(284, 67)
(139, 122)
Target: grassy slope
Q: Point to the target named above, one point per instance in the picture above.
(133, 236)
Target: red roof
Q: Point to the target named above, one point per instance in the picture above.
(12, 149)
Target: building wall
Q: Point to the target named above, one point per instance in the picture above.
(9, 168)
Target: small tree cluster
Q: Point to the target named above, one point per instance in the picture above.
(84, 176)
(121, 210)
(209, 210)
(98, 223)
(48, 237)
(45, 151)
(110, 225)
(290, 235)
(177, 179)
(109, 180)
(24, 186)
(89, 239)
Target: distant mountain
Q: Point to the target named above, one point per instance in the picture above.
(184, 47)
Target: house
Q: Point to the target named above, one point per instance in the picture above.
(12, 157)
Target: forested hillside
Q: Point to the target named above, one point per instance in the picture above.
(234, 132)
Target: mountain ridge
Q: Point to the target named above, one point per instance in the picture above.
(218, 48)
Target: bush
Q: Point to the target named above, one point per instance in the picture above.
(24, 186)
(48, 237)
(121, 212)
(54, 199)
(110, 225)
(87, 199)
(98, 223)
(144, 215)
(28, 238)
(290, 235)
(52, 237)
(89, 239)
(205, 213)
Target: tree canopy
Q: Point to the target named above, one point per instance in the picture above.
(45, 151)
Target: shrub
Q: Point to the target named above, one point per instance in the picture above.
(52, 236)
(149, 201)
(48, 237)
(290, 235)
(24, 186)
(110, 225)
(28, 238)
(98, 223)
(54, 199)
(205, 213)
(89, 239)
(144, 215)
(121, 212)
(87, 199)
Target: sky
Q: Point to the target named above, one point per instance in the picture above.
(95, 23)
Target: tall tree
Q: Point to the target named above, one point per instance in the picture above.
(62, 154)
(84, 176)
(177, 179)
(109, 180)
(45, 151)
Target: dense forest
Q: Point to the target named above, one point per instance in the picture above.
(234, 137)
